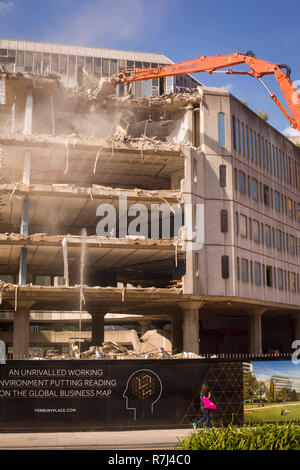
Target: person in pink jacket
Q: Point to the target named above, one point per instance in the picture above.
(205, 413)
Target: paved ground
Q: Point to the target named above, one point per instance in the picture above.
(108, 440)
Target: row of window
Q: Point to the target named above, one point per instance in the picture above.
(258, 150)
(263, 193)
(71, 66)
(261, 274)
(45, 62)
(247, 227)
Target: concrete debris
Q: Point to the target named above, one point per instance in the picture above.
(112, 350)
(111, 347)
(105, 88)
(187, 355)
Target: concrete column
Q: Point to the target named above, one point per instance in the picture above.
(177, 333)
(28, 112)
(21, 331)
(26, 180)
(97, 328)
(145, 326)
(255, 331)
(191, 326)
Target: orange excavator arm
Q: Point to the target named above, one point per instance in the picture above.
(258, 68)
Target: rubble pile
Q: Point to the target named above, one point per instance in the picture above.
(112, 350)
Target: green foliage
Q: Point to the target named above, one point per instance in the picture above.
(294, 395)
(285, 394)
(263, 116)
(253, 388)
(261, 437)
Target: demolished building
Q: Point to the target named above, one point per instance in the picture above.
(178, 166)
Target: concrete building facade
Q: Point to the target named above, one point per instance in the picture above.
(64, 153)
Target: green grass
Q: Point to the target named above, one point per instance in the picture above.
(272, 413)
(262, 437)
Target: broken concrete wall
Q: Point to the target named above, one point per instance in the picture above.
(63, 112)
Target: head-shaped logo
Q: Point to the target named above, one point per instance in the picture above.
(143, 390)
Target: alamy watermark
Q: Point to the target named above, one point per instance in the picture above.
(296, 354)
(183, 221)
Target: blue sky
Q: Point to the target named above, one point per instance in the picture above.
(180, 29)
(263, 370)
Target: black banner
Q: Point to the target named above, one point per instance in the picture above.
(111, 394)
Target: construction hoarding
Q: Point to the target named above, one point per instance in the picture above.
(110, 394)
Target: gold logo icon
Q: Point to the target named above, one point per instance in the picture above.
(143, 386)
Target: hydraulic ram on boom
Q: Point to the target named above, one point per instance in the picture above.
(258, 68)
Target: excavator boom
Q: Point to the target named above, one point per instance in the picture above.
(257, 68)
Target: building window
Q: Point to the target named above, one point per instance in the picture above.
(245, 271)
(247, 141)
(255, 189)
(221, 129)
(274, 161)
(224, 221)
(222, 175)
(28, 61)
(54, 62)
(269, 276)
(255, 231)
(242, 182)
(262, 152)
(238, 268)
(266, 195)
(238, 136)
(235, 179)
(250, 144)
(277, 200)
(270, 158)
(290, 208)
(105, 67)
(293, 282)
(267, 235)
(242, 139)
(278, 153)
(243, 226)
(20, 59)
(280, 278)
(254, 147)
(97, 67)
(278, 239)
(266, 155)
(42, 281)
(233, 133)
(258, 150)
(257, 273)
(291, 244)
(225, 267)
(260, 192)
(72, 66)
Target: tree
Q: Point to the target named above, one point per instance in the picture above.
(261, 388)
(249, 386)
(253, 388)
(284, 394)
(294, 396)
